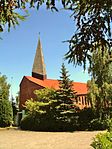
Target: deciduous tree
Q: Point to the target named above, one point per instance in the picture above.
(100, 86)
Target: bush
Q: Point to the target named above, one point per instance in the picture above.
(38, 122)
(109, 124)
(85, 117)
(46, 114)
(88, 120)
(6, 115)
(97, 124)
(28, 123)
(102, 141)
(35, 122)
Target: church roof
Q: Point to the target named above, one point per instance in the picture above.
(80, 88)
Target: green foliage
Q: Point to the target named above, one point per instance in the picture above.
(66, 91)
(5, 106)
(109, 124)
(52, 110)
(35, 122)
(55, 110)
(102, 141)
(6, 113)
(100, 68)
(44, 114)
(42, 111)
(4, 87)
(86, 115)
(93, 21)
(66, 85)
(92, 18)
(8, 14)
(98, 124)
(46, 99)
(65, 95)
(100, 97)
(100, 86)
(45, 95)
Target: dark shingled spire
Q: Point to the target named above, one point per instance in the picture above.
(39, 70)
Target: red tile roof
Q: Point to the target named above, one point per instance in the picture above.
(80, 88)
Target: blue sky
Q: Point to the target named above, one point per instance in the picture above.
(18, 46)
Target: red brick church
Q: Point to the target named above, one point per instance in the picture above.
(39, 80)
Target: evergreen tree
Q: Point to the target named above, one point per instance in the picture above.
(66, 96)
(6, 114)
(4, 87)
(66, 91)
(52, 110)
(5, 105)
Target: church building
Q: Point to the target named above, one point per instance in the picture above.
(39, 80)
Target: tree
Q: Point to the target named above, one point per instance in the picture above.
(93, 24)
(52, 110)
(101, 66)
(41, 112)
(8, 13)
(5, 105)
(66, 97)
(6, 114)
(66, 92)
(100, 86)
(4, 88)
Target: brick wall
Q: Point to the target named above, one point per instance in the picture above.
(26, 91)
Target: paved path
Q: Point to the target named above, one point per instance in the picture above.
(16, 139)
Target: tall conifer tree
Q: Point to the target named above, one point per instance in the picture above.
(66, 96)
(66, 86)
(5, 105)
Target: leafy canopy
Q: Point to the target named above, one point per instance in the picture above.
(100, 86)
(45, 99)
(52, 109)
(93, 23)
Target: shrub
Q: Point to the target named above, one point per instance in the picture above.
(97, 124)
(85, 117)
(103, 141)
(6, 115)
(45, 114)
(44, 122)
(30, 122)
(109, 124)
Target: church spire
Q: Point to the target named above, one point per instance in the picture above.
(39, 70)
